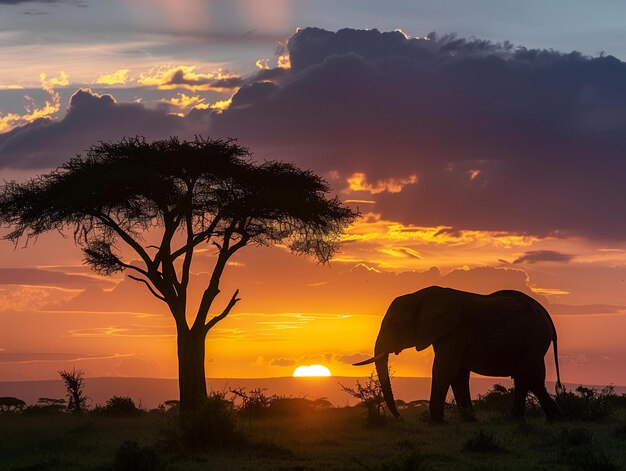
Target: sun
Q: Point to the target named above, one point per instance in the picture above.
(311, 370)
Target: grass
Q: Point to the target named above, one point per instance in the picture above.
(332, 439)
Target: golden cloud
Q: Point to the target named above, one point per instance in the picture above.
(358, 182)
(119, 77)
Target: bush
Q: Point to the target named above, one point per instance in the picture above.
(371, 396)
(131, 457)
(212, 427)
(118, 406)
(483, 443)
(500, 399)
(46, 406)
(254, 403)
(587, 403)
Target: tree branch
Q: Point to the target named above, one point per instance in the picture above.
(198, 238)
(152, 290)
(234, 300)
(126, 237)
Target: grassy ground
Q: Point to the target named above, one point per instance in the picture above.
(330, 439)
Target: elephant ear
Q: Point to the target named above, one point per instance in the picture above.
(438, 314)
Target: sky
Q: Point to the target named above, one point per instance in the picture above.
(481, 141)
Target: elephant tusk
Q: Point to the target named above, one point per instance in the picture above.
(371, 360)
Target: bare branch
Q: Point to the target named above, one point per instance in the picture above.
(234, 300)
(126, 237)
(152, 290)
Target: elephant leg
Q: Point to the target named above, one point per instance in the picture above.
(523, 379)
(445, 369)
(460, 388)
(538, 388)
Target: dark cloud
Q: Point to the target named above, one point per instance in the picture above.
(535, 256)
(501, 138)
(90, 118)
(180, 78)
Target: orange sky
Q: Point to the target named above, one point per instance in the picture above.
(295, 312)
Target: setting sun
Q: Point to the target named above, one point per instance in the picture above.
(312, 370)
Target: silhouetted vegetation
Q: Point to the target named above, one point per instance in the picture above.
(11, 404)
(370, 395)
(500, 399)
(255, 403)
(47, 406)
(75, 390)
(298, 433)
(118, 406)
(207, 190)
(588, 403)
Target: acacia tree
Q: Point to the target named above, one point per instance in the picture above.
(191, 192)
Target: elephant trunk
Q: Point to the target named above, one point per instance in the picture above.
(382, 370)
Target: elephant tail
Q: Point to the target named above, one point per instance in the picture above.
(559, 386)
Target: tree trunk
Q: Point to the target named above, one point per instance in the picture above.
(191, 377)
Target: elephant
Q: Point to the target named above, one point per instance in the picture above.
(506, 333)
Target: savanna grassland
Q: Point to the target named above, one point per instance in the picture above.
(310, 439)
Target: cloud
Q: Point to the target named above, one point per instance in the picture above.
(282, 362)
(90, 118)
(499, 138)
(188, 77)
(119, 77)
(537, 256)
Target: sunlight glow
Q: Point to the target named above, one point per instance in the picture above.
(312, 370)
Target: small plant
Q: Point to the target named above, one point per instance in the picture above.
(119, 406)
(131, 457)
(500, 399)
(75, 390)
(483, 443)
(255, 403)
(370, 394)
(587, 403)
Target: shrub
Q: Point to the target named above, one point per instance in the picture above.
(255, 403)
(370, 395)
(118, 406)
(131, 457)
(75, 390)
(46, 406)
(500, 399)
(211, 427)
(483, 443)
(587, 403)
